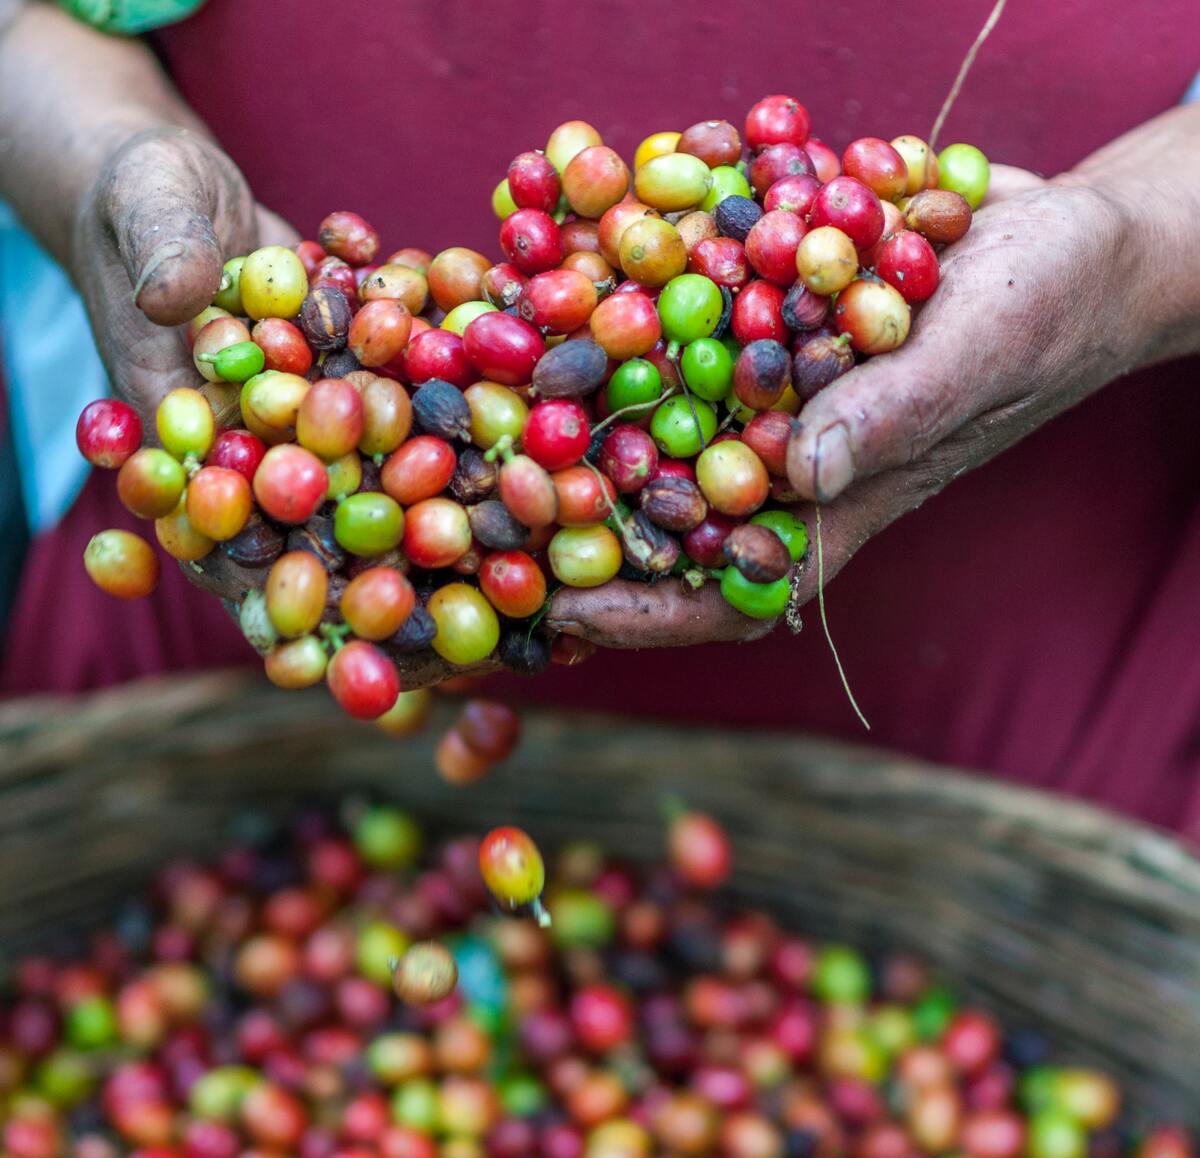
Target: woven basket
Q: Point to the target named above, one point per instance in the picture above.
(1052, 912)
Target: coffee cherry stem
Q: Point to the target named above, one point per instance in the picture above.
(633, 408)
(540, 913)
(335, 634)
(695, 417)
(502, 449)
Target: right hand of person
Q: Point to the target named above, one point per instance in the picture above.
(166, 211)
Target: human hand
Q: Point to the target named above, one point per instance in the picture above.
(167, 209)
(1032, 314)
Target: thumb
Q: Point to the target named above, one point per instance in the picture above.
(159, 200)
(882, 414)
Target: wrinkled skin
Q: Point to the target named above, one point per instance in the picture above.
(151, 237)
(1038, 306)
(1010, 339)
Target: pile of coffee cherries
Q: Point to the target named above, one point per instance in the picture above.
(334, 992)
(408, 451)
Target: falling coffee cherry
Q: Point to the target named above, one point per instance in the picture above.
(513, 870)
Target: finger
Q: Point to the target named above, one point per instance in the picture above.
(144, 361)
(159, 199)
(882, 414)
(628, 615)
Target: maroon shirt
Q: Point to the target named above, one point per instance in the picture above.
(1038, 619)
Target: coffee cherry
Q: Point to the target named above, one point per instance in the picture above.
(771, 245)
(108, 432)
(768, 434)
(681, 426)
(427, 973)
(699, 850)
(826, 260)
(122, 564)
(714, 142)
(556, 434)
(584, 497)
(941, 216)
(218, 502)
(533, 182)
(329, 421)
(273, 283)
(722, 260)
(964, 169)
(150, 482)
(348, 236)
(672, 182)
(794, 193)
(237, 450)
(761, 374)
(185, 423)
(511, 867)
(571, 370)
(437, 533)
(849, 205)
(502, 348)
(777, 162)
(652, 251)
(758, 312)
(818, 361)
(594, 180)
(733, 478)
(296, 663)
(377, 602)
(877, 165)
(673, 503)
(531, 240)
(513, 583)
(527, 490)
(368, 524)
(363, 680)
(557, 301)
(758, 553)
(906, 261)
(467, 628)
(296, 591)
(776, 120)
(628, 457)
(454, 276)
(874, 315)
(585, 556)
(397, 283)
(920, 163)
(290, 483)
(379, 332)
(387, 416)
(626, 325)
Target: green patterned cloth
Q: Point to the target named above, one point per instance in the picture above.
(129, 17)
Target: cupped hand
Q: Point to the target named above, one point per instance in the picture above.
(166, 211)
(1033, 313)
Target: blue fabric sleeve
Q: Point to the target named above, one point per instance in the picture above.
(51, 371)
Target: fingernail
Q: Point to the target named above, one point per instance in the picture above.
(833, 468)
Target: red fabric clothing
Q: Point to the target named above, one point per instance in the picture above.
(1036, 620)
